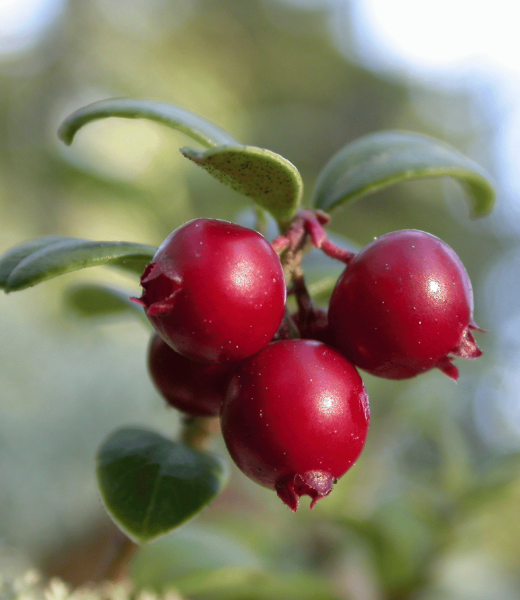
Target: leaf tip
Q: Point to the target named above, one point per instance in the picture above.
(65, 134)
(191, 153)
(14, 286)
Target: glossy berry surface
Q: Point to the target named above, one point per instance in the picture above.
(403, 306)
(194, 388)
(215, 291)
(295, 418)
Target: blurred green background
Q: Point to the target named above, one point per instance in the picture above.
(430, 510)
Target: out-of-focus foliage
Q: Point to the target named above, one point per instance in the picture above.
(29, 587)
(430, 509)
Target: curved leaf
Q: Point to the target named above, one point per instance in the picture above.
(381, 159)
(69, 254)
(11, 259)
(91, 300)
(269, 179)
(150, 484)
(198, 128)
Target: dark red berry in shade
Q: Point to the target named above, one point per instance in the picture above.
(215, 291)
(295, 418)
(403, 306)
(194, 388)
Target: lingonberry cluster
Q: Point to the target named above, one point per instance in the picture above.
(293, 408)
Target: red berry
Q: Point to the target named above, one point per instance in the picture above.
(191, 387)
(295, 418)
(215, 291)
(403, 306)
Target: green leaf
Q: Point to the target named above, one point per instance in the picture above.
(381, 159)
(269, 179)
(91, 300)
(150, 484)
(11, 259)
(68, 254)
(206, 133)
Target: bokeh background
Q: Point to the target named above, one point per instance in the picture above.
(431, 509)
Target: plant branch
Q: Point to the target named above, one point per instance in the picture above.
(197, 432)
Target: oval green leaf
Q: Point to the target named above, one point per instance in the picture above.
(381, 159)
(11, 259)
(69, 254)
(201, 130)
(91, 300)
(267, 178)
(150, 484)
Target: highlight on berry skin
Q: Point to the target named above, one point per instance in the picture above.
(295, 418)
(403, 306)
(214, 291)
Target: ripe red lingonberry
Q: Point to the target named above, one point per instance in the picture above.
(295, 418)
(193, 388)
(403, 306)
(215, 291)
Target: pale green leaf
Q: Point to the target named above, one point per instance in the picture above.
(381, 159)
(264, 176)
(201, 130)
(12, 258)
(69, 254)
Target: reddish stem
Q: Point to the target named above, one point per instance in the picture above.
(336, 252)
(118, 555)
(291, 246)
(311, 224)
(198, 432)
(280, 244)
(303, 298)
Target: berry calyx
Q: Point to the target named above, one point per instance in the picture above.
(215, 291)
(295, 418)
(193, 388)
(404, 306)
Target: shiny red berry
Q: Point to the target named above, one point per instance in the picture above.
(194, 388)
(215, 291)
(295, 418)
(403, 306)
